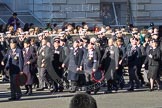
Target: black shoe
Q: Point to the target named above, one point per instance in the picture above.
(12, 98)
(131, 89)
(96, 90)
(151, 90)
(40, 89)
(72, 91)
(88, 92)
(26, 92)
(61, 89)
(18, 98)
(137, 87)
(107, 91)
(29, 94)
(54, 91)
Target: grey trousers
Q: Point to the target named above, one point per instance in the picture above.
(42, 80)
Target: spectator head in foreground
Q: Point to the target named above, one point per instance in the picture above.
(83, 100)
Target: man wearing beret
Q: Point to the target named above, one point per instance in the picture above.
(14, 64)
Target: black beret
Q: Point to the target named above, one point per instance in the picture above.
(155, 40)
(63, 40)
(27, 41)
(14, 14)
(13, 41)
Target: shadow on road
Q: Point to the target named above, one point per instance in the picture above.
(47, 96)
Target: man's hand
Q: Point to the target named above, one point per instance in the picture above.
(94, 70)
(28, 62)
(78, 69)
(116, 68)
(63, 65)
(43, 65)
(120, 62)
(143, 65)
(81, 68)
(21, 73)
(2, 63)
(150, 55)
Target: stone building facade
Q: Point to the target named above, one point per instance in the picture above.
(113, 12)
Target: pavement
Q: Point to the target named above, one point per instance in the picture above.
(140, 98)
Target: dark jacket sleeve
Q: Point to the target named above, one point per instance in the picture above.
(33, 54)
(21, 62)
(62, 55)
(67, 59)
(156, 55)
(80, 58)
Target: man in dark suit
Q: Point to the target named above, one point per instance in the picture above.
(74, 63)
(133, 55)
(90, 63)
(14, 64)
(58, 58)
(3, 50)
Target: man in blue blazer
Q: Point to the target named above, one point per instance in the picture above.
(14, 64)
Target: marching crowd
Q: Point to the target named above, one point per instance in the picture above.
(54, 61)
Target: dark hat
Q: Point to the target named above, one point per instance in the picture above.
(14, 14)
(63, 40)
(148, 36)
(149, 28)
(56, 40)
(155, 40)
(86, 39)
(13, 41)
(27, 41)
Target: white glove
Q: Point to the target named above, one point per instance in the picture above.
(143, 65)
(150, 55)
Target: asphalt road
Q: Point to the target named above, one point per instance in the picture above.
(141, 98)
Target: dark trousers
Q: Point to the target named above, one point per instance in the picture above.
(15, 88)
(120, 77)
(133, 76)
(112, 85)
(90, 85)
(73, 85)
